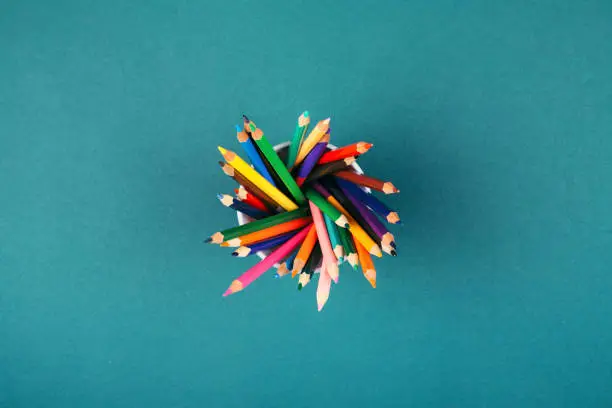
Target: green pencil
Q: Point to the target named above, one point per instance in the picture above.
(234, 232)
(328, 209)
(300, 130)
(279, 167)
(350, 252)
(334, 237)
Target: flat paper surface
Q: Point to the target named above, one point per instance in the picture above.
(494, 119)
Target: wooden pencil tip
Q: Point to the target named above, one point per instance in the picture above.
(238, 129)
(393, 252)
(245, 118)
(222, 150)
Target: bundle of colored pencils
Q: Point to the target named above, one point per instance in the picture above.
(307, 208)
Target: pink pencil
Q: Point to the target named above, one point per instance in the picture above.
(329, 258)
(323, 287)
(258, 269)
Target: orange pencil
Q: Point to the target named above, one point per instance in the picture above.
(304, 252)
(384, 186)
(367, 266)
(267, 233)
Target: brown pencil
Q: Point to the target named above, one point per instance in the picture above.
(323, 170)
(384, 186)
(250, 186)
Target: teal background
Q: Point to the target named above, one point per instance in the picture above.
(493, 118)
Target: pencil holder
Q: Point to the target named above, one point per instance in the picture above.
(279, 148)
(304, 206)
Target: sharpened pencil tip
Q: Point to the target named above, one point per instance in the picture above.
(220, 196)
(208, 240)
(238, 128)
(245, 118)
(299, 286)
(393, 252)
(306, 114)
(234, 254)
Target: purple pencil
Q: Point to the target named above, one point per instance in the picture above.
(263, 245)
(311, 159)
(387, 239)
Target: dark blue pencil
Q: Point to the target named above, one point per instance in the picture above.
(370, 200)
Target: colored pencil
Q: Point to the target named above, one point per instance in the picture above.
(311, 140)
(275, 194)
(252, 249)
(233, 232)
(340, 153)
(257, 270)
(366, 181)
(367, 266)
(324, 205)
(304, 252)
(267, 233)
(311, 265)
(251, 199)
(322, 170)
(323, 288)
(386, 238)
(371, 201)
(354, 227)
(268, 151)
(249, 147)
(311, 160)
(334, 237)
(300, 129)
(229, 201)
(352, 208)
(329, 257)
(285, 267)
(350, 253)
(248, 184)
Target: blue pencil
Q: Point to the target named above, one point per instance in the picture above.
(249, 147)
(263, 245)
(247, 209)
(369, 200)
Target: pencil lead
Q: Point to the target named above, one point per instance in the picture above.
(234, 253)
(220, 196)
(306, 114)
(299, 286)
(245, 118)
(208, 240)
(238, 128)
(393, 252)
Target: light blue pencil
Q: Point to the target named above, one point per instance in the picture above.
(334, 237)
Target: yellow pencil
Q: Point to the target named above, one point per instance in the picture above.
(247, 171)
(313, 138)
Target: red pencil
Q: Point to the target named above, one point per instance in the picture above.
(355, 149)
(244, 195)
